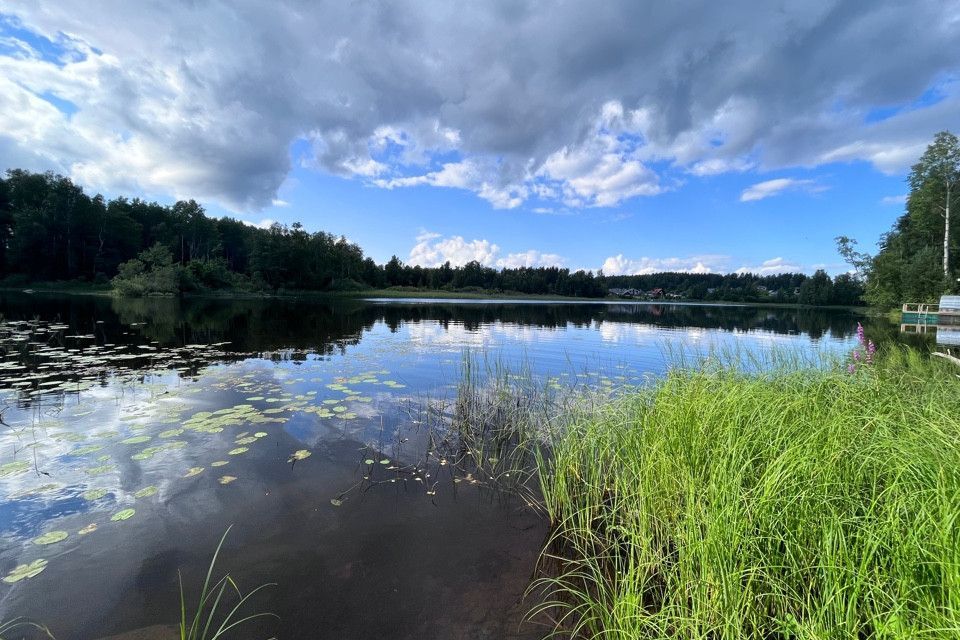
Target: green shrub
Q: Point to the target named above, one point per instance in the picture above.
(152, 272)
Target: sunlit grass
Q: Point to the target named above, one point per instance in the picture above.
(723, 503)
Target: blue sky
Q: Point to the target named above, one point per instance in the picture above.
(631, 137)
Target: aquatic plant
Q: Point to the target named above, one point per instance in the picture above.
(725, 504)
(6, 628)
(203, 623)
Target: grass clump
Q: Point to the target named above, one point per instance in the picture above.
(722, 504)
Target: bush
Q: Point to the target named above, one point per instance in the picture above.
(152, 272)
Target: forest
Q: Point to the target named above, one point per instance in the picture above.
(918, 258)
(51, 231)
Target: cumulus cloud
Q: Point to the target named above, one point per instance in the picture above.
(777, 186)
(773, 266)
(433, 250)
(619, 265)
(578, 103)
(894, 200)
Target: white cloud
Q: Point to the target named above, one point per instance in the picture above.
(277, 202)
(712, 263)
(433, 250)
(894, 200)
(777, 186)
(772, 267)
(553, 100)
(619, 265)
(265, 223)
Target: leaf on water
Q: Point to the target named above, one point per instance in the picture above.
(227, 479)
(335, 502)
(82, 451)
(135, 440)
(94, 494)
(125, 514)
(368, 461)
(51, 537)
(13, 468)
(385, 461)
(238, 451)
(302, 454)
(102, 469)
(260, 434)
(219, 463)
(24, 571)
(170, 433)
(90, 528)
(247, 440)
(146, 492)
(193, 471)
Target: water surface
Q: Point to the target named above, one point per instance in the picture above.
(141, 429)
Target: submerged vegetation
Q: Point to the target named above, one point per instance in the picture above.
(797, 503)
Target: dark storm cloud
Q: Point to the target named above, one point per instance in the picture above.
(568, 100)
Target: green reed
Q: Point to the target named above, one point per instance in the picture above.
(725, 502)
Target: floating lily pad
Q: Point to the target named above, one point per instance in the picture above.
(24, 571)
(102, 469)
(90, 528)
(82, 451)
(193, 471)
(51, 537)
(238, 451)
(94, 494)
(369, 461)
(135, 440)
(13, 468)
(146, 492)
(170, 433)
(335, 502)
(125, 514)
(247, 440)
(385, 461)
(219, 463)
(227, 479)
(302, 454)
(260, 434)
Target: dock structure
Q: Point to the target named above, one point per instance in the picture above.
(942, 318)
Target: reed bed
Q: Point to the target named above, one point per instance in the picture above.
(804, 502)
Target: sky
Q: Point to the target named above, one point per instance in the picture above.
(626, 136)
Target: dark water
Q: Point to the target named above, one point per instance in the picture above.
(118, 405)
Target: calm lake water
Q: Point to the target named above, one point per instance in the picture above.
(135, 431)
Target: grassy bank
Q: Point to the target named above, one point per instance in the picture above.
(794, 504)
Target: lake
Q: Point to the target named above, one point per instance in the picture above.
(136, 431)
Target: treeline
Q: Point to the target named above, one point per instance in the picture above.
(918, 258)
(51, 231)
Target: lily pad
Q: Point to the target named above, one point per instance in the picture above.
(13, 468)
(369, 461)
(238, 451)
(24, 571)
(135, 440)
(94, 494)
(193, 471)
(219, 463)
(260, 434)
(82, 451)
(125, 514)
(227, 479)
(301, 454)
(335, 502)
(90, 528)
(51, 537)
(170, 433)
(146, 492)
(102, 469)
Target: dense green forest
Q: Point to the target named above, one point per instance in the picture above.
(51, 231)
(918, 258)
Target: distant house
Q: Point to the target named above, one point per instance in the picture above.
(656, 293)
(626, 293)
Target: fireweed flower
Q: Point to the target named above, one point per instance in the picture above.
(860, 337)
(852, 368)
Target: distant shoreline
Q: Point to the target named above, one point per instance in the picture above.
(386, 296)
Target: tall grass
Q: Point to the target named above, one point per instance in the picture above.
(724, 504)
(208, 621)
